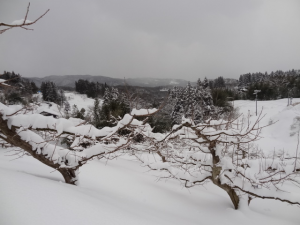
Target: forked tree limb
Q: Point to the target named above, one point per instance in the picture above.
(266, 197)
(24, 24)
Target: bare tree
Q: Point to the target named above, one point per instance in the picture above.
(222, 152)
(40, 136)
(217, 151)
(24, 23)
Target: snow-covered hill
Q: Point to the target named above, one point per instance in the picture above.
(123, 192)
(278, 135)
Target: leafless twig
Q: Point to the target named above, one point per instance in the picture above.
(22, 25)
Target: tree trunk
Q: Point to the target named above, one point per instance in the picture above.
(216, 170)
(235, 199)
(69, 175)
(14, 139)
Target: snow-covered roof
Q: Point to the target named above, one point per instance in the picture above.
(48, 111)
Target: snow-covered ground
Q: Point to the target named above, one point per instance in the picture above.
(81, 100)
(123, 192)
(278, 135)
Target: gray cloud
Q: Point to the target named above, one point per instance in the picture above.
(157, 38)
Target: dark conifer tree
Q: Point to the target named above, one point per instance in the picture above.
(191, 102)
(51, 94)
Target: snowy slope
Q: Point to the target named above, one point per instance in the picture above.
(123, 192)
(81, 100)
(120, 192)
(277, 135)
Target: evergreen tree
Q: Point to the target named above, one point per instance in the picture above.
(219, 83)
(114, 107)
(205, 83)
(91, 89)
(199, 83)
(34, 88)
(176, 99)
(274, 85)
(67, 108)
(78, 114)
(14, 98)
(74, 111)
(81, 114)
(191, 102)
(96, 114)
(51, 94)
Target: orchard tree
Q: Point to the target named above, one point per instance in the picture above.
(212, 150)
(39, 136)
(34, 134)
(222, 152)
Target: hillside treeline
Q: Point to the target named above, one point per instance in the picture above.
(91, 89)
(206, 99)
(20, 90)
(274, 85)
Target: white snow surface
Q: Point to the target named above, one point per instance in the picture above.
(141, 112)
(81, 100)
(120, 192)
(123, 192)
(277, 135)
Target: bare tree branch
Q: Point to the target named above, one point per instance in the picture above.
(24, 24)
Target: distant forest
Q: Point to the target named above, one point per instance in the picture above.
(208, 98)
(274, 85)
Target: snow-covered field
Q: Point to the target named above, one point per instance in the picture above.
(123, 192)
(278, 135)
(82, 101)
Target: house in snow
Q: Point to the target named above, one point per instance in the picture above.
(49, 112)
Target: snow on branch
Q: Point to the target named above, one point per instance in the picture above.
(40, 136)
(61, 125)
(224, 153)
(22, 23)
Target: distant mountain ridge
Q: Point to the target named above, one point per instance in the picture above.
(69, 80)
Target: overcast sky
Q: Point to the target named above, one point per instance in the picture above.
(186, 39)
